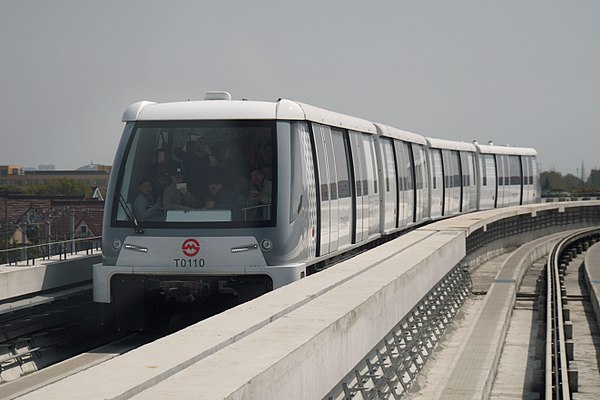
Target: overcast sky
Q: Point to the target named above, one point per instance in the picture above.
(525, 73)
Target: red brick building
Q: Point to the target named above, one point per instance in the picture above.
(33, 219)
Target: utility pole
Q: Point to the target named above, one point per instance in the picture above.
(23, 227)
(6, 228)
(48, 237)
(72, 230)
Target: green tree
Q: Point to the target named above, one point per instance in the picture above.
(594, 179)
(59, 187)
(552, 181)
(10, 189)
(572, 182)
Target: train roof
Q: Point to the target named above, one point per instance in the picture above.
(193, 110)
(220, 106)
(316, 114)
(518, 151)
(242, 109)
(450, 145)
(396, 133)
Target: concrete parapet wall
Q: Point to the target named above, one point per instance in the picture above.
(312, 348)
(155, 362)
(592, 278)
(23, 280)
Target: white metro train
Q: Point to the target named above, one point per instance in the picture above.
(210, 196)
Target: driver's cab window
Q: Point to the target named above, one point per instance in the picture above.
(200, 171)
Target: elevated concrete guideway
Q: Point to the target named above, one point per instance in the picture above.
(472, 373)
(20, 280)
(298, 342)
(592, 278)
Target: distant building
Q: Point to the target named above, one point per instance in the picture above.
(11, 175)
(95, 167)
(8, 170)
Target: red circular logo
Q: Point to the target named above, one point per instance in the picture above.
(190, 247)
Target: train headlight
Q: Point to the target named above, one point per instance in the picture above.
(116, 244)
(266, 244)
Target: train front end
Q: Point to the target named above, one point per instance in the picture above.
(195, 208)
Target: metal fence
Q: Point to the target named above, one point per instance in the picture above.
(45, 251)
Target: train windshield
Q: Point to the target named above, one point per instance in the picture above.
(198, 174)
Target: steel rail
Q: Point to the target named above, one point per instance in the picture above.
(557, 365)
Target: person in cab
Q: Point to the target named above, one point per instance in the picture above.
(176, 196)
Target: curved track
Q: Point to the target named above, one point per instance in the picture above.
(559, 379)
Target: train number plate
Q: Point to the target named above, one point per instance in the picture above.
(189, 262)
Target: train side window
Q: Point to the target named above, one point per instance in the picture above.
(448, 168)
(436, 166)
(331, 162)
(515, 170)
(483, 168)
(387, 167)
(359, 162)
(342, 164)
(534, 171)
(371, 169)
(490, 167)
(418, 166)
(409, 166)
(530, 164)
(403, 162)
(500, 170)
(456, 178)
(322, 162)
(298, 178)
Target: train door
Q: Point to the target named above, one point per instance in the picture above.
(530, 184)
(437, 183)
(361, 187)
(421, 182)
(448, 189)
(474, 179)
(487, 195)
(514, 181)
(464, 181)
(389, 185)
(452, 178)
(373, 184)
(502, 173)
(335, 190)
(344, 189)
(516, 185)
(303, 190)
(477, 161)
(468, 181)
(406, 195)
(524, 180)
(535, 180)
(322, 134)
(506, 171)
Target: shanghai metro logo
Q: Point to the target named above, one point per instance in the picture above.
(190, 247)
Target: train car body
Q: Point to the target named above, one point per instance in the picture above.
(207, 196)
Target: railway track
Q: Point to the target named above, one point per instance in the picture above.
(52, 339)
(560, 379)
(34, 337)
(550, 317)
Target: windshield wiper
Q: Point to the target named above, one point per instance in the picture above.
(130, 216)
